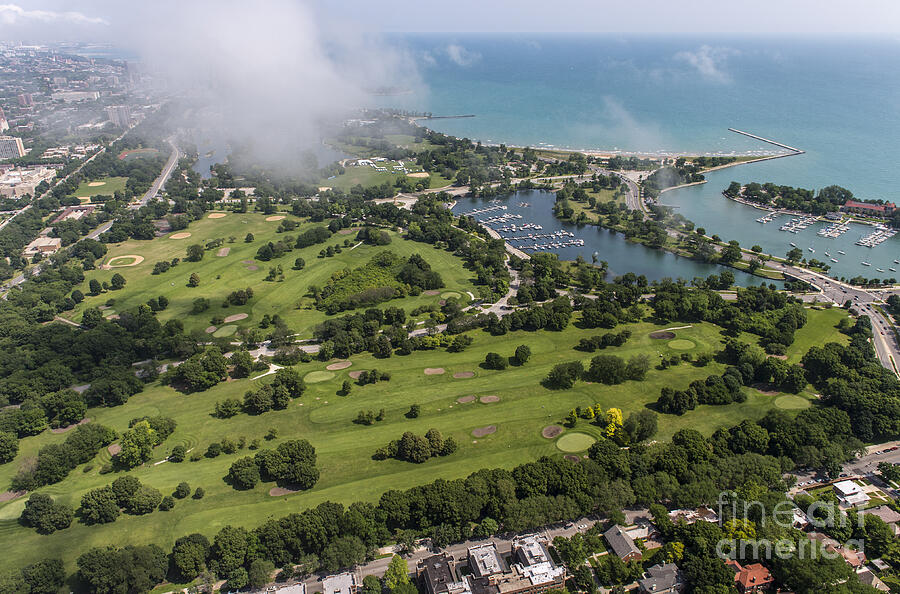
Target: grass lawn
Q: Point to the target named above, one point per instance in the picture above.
(107, 187)
(367, 176)
(221, 275)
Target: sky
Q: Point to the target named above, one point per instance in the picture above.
(108, 19)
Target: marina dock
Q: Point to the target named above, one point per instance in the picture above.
(767, 140)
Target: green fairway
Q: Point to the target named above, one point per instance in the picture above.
(221, 275)
(523, 406)
(575, 442)
(106, 186)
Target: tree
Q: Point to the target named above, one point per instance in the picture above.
(194, 281)
(413, 412)
(99, 506)
(259, 573)
(131, 569)
(144, 501)
(397, 573)
(242, 362)
(167, 503)
(136, 445)
(413, 448)
(244, 473)
(117, 282)
(195, 252)
(607, 369)
(44, 577)
(9, 447)
(95, 287)
(178, 454)
(182, 490)
(523, 352)
(249, 238)
(299, 264)
(494, 361)
(641, 425)
(189, 556)
(794, 255)
(564, 375)
(341, 552)
(45, 515)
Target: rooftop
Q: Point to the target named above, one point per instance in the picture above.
(622, 544)
(485, 560)
(342, 583)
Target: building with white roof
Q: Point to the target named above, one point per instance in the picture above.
(850, 494)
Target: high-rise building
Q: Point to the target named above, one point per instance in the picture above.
(25, 100)
(11, 147)
(120, 115)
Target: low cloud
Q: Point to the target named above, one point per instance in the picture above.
(460, 55)
(13, 14)
(710, 62)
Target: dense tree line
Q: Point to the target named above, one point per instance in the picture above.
(415, 448)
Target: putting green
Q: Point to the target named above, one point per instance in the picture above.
(792, 402)
(575, 442)
(13, 510)
(225, 331)
(314, 377)
(451, 295)
(681, 344)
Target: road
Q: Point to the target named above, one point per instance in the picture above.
(157, 185)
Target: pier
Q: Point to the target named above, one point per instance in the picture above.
(773, 142)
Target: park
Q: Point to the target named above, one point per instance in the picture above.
(499, 418)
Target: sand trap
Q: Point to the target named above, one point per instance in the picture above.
(782, 357)
(465, 399)
(247, 261)
(275, 218)
(572, 458)
(225, 331)
(489, 399)
(10, 495)
(551, 431)
(346, 231)
(179, 236)
(419, 174)
(129, 260)
(431, 293)
(278, 491)
(314, 377)
(217, 215)
(483, 431)
(324, 188)
(662, 335)
(211, 329)
(434, 370)
(464, 374)
(236, 318)
(765, 388)
(339, 365)
(114, 449)
(72, 426)
(252, 267)
(96, 184)
(355, 374)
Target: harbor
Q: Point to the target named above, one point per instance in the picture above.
(877, 237)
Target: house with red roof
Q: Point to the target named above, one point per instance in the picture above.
(751, 578)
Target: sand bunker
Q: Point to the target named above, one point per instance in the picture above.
(211, 329)
(96, 184)
(465, 399)
(252, 267)
(765, 388)
(431, 292)
(551, 431)
(129, 260)
(179, 236)
(483, 431)
(324, 188)
(572, 458)
(247, 261)
(419, 174)
(223, 252)
(278, 491)
(72, 426)
(10, 495)
(114, 449)
(464, 374)
(662, 335)
(489, 399)
(236, 318)
(275, 218)
(434, 370)
(339, 365)
(345, 231)
(355, 374)
(782, 357)
(217, 215)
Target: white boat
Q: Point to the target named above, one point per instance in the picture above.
(879, 269)
(827, 254)
(833, 260)
(865, 264)
(842, 252)
(793, 244)
(812, 250)
(896, 261)
(892, 269)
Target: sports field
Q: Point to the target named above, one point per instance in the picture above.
(511, 401)
(220, 275)
(106, 186)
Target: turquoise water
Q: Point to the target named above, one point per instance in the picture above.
(835, 99)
